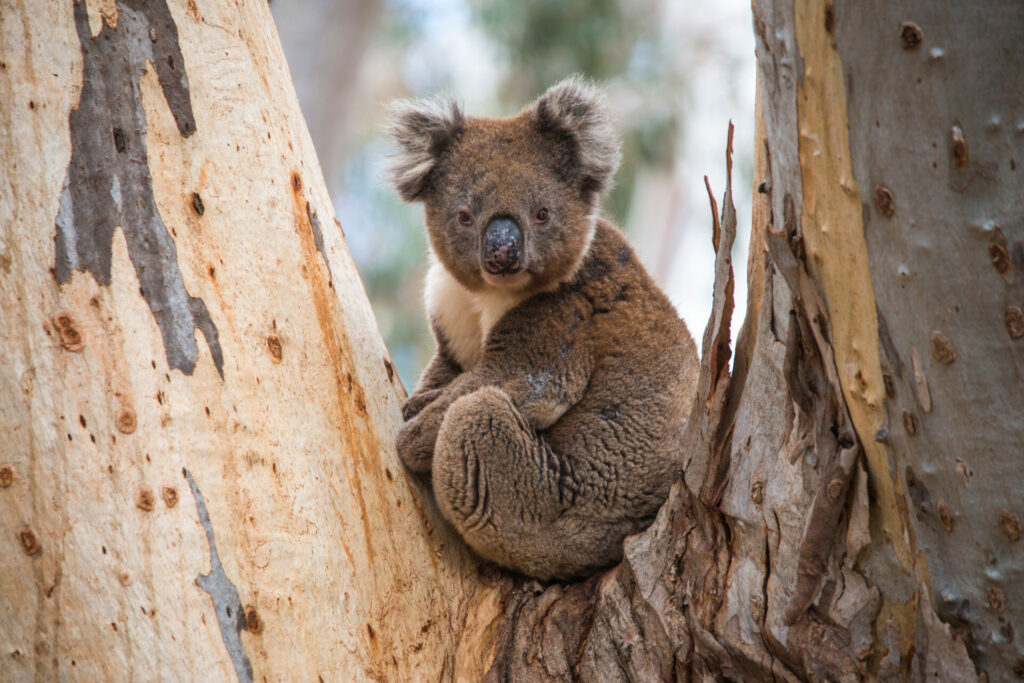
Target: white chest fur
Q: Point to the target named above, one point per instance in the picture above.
(465, 317)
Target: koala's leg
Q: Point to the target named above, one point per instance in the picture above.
(499, 483)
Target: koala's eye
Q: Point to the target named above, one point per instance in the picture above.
(464, 218)
(542, 216)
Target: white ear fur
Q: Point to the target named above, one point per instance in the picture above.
(579, 109)
(422, 128)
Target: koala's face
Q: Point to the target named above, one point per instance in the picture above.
(510, 203)
(502, 212)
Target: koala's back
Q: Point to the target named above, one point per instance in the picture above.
(621, 440)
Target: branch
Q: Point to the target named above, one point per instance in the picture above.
(706, 441)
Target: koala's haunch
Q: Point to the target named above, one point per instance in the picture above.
(551, 413)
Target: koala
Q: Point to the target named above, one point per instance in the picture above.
(549, 418)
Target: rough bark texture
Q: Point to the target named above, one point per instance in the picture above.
(197, 470)
(847, 504)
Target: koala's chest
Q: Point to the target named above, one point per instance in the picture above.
(464, 317)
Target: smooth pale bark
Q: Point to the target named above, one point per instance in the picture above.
(947, 270)
(132, 465)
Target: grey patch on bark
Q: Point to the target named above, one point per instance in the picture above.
(226, 603)
(318, 238)
(108, 183)
(888, 346)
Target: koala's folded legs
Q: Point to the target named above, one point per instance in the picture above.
(506, 490)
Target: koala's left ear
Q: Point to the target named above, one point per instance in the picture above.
(423, 129)
(577, 112)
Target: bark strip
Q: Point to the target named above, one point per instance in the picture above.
(814, 386)
(706, 429)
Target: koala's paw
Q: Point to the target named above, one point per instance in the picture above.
(416, 444)
(415, 404)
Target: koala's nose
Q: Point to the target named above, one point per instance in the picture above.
(501, 253)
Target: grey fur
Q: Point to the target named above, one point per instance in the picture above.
(580, 109)
(421, 127)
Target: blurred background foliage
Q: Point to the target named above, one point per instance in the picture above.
(675, 73)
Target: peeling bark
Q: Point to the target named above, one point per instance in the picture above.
(108, 184)
(708, 429)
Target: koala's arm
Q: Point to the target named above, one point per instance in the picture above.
(439, 373)
(543, 377)
(542, 368)
(425, 406)
(418, 434)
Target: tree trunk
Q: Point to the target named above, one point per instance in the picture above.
(196, 505)
(198, 413)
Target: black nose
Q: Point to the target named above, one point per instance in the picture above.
(502, 248)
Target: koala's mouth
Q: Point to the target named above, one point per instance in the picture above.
(504, 281)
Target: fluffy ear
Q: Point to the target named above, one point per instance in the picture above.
(577, 112)
(422, 128)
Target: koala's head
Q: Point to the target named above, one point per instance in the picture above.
(510, 203)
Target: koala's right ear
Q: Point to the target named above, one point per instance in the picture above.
(423, 128)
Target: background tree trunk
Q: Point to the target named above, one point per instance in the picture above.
(230, 501)
(325, 41)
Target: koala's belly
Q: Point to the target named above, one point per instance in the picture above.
(464, 317)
